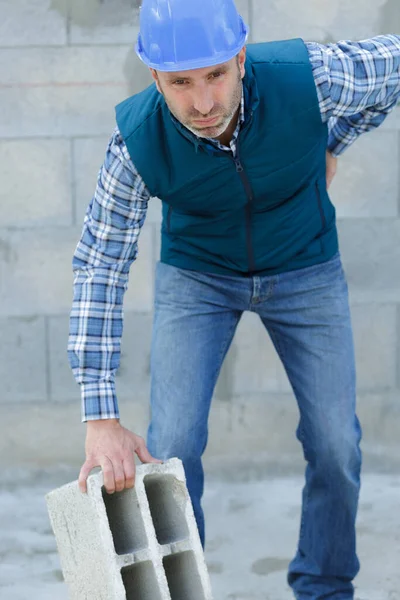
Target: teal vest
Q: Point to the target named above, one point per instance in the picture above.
(267, 210)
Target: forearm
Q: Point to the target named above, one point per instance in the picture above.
(344, 131)
(96, 326)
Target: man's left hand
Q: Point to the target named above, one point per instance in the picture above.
(331, 168)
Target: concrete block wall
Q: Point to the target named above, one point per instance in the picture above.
(64, 64)
(139, 544)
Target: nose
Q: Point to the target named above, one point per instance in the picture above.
(203, 101)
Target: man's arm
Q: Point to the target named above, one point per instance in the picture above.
(358, 85)
(101, 263)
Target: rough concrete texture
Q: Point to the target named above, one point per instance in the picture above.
(29, 23)
(254, 430)
(252, 530)
(140, 544)
(22, 341)
(323, 20)
(366, 184)
(48, 290)
(49, 203)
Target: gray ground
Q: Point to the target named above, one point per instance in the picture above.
(252, 529)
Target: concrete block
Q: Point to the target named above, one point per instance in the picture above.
(390, 16)
(252, 365)
(252, 429)
(113, 21)
(89, 155)
(23, 372)
(38, 271)
(398, 347)
(154, 211)
(132, 379)
(66, 91)
(243, 7)
(70, 66)
(62, 435)
(27, 23)
(59, 111)
(375, 337)
(36, 183)
(319, 21)
(104, 21)
(379, 415)
(366, 184)
(140, 544)
(392, 121)
(371, 257)
(253, 423)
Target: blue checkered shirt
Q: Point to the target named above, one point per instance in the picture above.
(358, 84)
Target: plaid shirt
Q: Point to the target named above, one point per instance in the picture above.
(358, 84)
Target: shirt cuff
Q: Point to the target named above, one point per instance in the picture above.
(99, 401)
(341, 136)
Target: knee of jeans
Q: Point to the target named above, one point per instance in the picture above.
(186, 448)
(323, 434)
(339, 454)
(336, 449)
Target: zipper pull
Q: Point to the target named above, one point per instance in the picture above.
(239, 167)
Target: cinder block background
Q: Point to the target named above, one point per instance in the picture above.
(64, 64)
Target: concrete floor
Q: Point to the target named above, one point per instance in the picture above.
(251, 528)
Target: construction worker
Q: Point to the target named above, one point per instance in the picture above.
(240, 143)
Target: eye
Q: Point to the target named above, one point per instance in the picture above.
(216, 74)
(179, 82)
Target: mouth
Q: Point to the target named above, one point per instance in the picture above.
(206, 121)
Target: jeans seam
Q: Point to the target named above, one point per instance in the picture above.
(224, 349)
(280, 352)
(220, 361)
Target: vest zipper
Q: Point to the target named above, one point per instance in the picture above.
(250, 197)
(321, 212)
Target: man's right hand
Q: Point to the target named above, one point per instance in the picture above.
(112, 447)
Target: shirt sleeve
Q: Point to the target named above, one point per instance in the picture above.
(101, 263)
(358, 85)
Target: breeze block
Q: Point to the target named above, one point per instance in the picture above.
(138, 544)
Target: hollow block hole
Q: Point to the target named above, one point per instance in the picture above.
(183, 577)
(140, 582)
(167, 499)
(125, 521)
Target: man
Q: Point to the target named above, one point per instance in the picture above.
(235, 142)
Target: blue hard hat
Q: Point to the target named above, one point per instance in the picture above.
(178, 35)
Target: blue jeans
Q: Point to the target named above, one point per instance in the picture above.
(306, 313)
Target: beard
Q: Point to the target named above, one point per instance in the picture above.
(216, 130)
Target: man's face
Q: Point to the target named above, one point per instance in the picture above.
(204, 100)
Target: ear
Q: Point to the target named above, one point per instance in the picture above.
(242, 60)
(154, 75)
